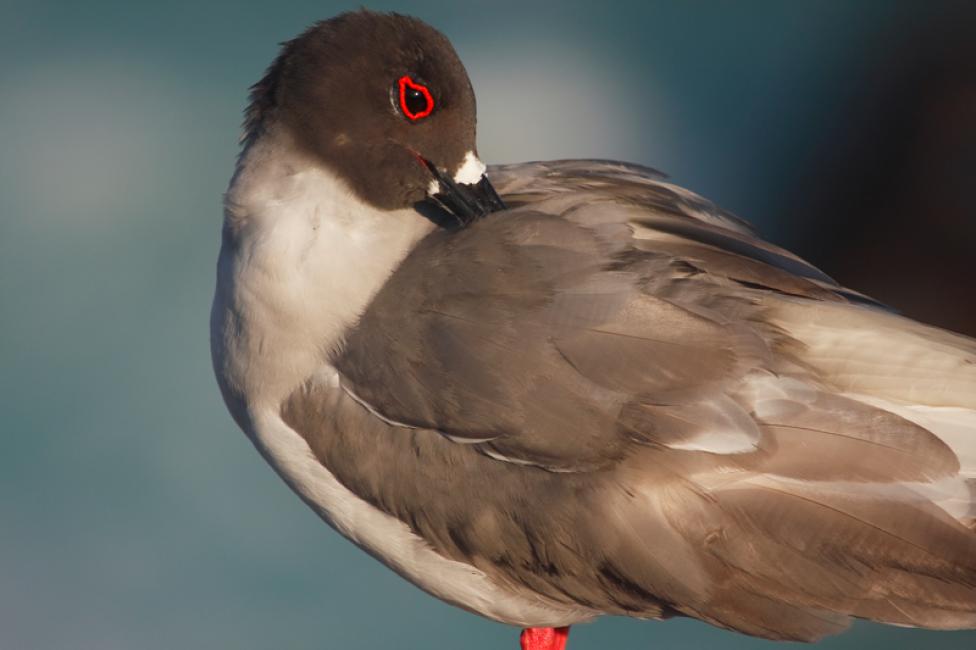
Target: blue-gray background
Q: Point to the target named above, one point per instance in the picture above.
(134, 515)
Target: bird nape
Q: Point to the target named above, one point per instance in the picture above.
(589, 393)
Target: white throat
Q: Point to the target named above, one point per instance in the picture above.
(302, 256)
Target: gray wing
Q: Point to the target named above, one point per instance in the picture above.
(523, 333)
(702, 420)
(564, 331)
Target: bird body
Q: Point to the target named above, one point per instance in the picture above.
(610, 397)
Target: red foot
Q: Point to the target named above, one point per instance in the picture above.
(544, 638)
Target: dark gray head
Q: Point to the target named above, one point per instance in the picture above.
(384, 101)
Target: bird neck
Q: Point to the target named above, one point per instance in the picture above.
(301, 258)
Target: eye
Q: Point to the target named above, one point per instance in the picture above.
(416, 102)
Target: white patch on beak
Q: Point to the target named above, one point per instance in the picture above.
(471, 170)
(433, 188)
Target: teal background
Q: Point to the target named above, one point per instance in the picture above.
(133, 514)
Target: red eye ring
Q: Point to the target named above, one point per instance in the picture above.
(403, 84)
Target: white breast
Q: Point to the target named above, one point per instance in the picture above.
(302, 256)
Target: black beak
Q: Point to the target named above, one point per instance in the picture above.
(464, 202)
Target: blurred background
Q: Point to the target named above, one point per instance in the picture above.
(133, 514)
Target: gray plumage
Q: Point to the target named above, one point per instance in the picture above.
(615, 395)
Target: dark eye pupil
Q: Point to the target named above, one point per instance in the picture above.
(415, 100)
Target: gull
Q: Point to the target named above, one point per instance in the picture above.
(552, 391)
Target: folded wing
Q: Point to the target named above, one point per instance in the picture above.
(617, 396)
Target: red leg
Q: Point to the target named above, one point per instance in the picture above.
(544, 638)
